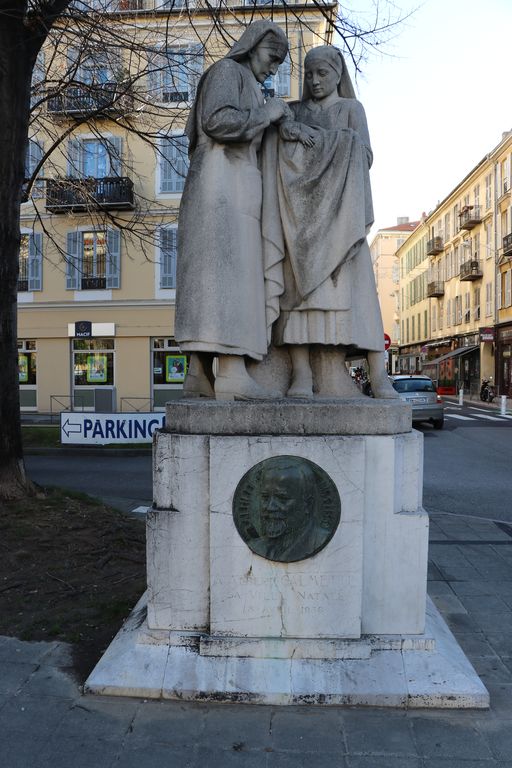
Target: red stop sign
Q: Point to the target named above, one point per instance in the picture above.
(387, 341)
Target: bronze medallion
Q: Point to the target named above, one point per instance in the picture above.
(286, 508)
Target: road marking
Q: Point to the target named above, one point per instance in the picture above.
(485, 416)
(481, 410)
(477, 413)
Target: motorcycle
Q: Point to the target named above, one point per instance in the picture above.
(487, 391)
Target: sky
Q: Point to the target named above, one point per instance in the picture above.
(437, 101)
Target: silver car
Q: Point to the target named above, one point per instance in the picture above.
(421, 393)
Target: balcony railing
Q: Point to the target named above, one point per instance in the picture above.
(93, 283)
(471, 270)
(469, 217)
(78, 195)
(435, 288)
(435, 245)
(75, 101)
(507, 245)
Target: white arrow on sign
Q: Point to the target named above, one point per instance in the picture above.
(70, 430)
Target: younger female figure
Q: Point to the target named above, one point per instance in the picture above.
(329, 301)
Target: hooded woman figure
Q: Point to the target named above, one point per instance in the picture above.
(220, 284)
(322, 288)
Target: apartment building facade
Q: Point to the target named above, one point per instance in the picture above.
(96, 289)
(386, 268)
(455, 282)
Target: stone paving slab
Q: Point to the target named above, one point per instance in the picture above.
(45, 722)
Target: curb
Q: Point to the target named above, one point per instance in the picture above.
(89, 451)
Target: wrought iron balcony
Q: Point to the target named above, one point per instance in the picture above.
(507, 245)
(469, 217)
(435, 245)
(471, 270)
(435, 288)
(79, 195)
(93, 283)
(79, 101)
(130, 5)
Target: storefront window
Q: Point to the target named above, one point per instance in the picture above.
(93, 362)
(169, 368)
(27, 374)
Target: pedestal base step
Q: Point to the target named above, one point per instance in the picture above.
(432, 671)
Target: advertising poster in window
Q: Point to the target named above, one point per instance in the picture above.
(96, 369)
(175, 369)
(22, 368)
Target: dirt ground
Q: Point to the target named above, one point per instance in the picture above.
(70, 569)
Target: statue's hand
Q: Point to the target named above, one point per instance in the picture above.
(278, 110)
(307, 136)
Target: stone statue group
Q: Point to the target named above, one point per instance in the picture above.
(273, 224)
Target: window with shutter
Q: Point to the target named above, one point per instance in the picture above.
(174, 74)
(168, 254)
(280, 83)
(113, 263)
(488, 299)
(73, 260)
(30, 275)
(37, 89)
(508, 288)
(35, 263)
(173, 162)
(93, 260)
(96, 158)
(23, 264)
(33, 157)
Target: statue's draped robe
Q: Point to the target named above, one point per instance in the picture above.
(220, 285)
(320, 287)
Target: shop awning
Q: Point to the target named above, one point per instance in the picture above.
(454, 353)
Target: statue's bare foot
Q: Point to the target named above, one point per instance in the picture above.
(339, 384)
(242, 388)
(299, 390)
(197, 385)
(302, 375)
(302, 384)
(382, 388)
(341, 392)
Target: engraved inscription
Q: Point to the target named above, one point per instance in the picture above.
(286, 508)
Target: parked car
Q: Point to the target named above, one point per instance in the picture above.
(421, 393)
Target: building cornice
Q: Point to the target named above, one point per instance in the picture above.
(103, 306)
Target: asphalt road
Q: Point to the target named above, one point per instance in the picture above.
(466, 469)
(123, 482)
(467, 464)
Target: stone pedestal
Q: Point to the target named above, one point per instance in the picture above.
(346, 625)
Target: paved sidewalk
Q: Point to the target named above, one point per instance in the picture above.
(45, 722)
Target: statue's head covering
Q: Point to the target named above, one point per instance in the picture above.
(254, 34)
(333, 58)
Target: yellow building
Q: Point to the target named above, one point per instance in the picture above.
(501, 159)
(414, 315)
(386, 268)
(98, 257)
(457, 316)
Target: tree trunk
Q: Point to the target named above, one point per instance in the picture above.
(16, 63)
